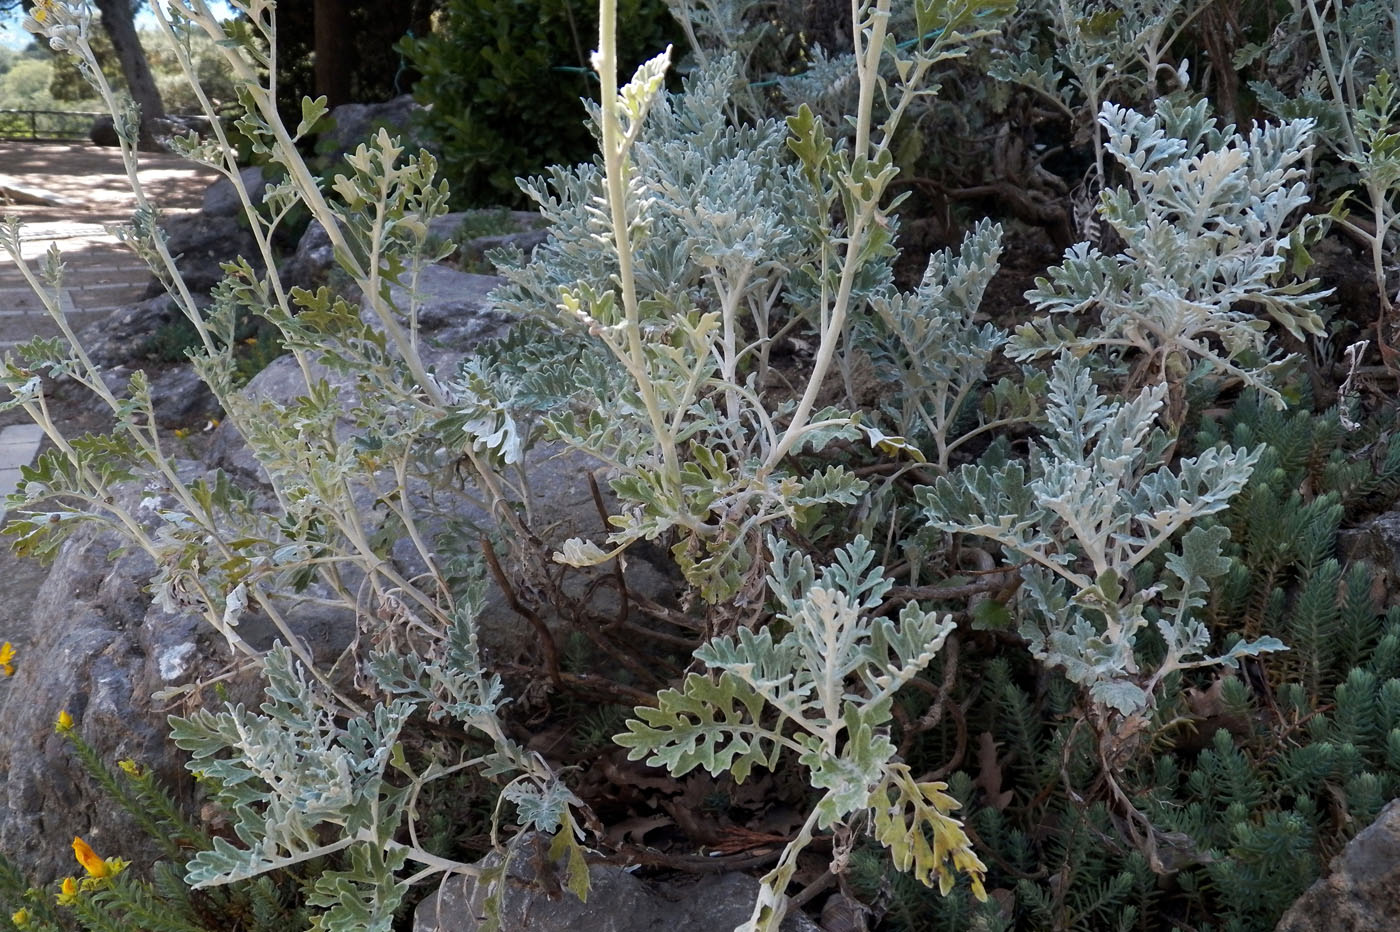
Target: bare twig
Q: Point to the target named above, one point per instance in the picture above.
(542, 633)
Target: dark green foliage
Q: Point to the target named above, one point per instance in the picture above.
(1252, 782)
(16, 894)
(503, 80)
(258, 343)
(378, 71)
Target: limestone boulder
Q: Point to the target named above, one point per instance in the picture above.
(124, 336)
(96, 645)
(181, 400)
(97, 648)
(453, 310)
(200, 244)
(221, 198)
(353, 124)
(310, 264)
(1361, 891)
(618, 901)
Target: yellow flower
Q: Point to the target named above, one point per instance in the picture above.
(130, 767)
(64, 724)
(94, 865)
(99, 869)
(7, 658)
(20, 918)
(68, 892)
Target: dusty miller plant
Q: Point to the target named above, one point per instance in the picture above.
(1207, 219)
(1349, 90)
(318, 768)
(831, 681)
(720, 241)
(1091, 506)
(684, 262)
(1100, 52)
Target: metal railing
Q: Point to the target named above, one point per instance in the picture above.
(46, 124)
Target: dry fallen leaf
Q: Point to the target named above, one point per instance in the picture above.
(989, 773)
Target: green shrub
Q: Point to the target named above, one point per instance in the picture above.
(502, 81)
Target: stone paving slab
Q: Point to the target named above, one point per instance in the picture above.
(18, 445)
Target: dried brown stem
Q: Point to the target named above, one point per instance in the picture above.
(623, 609)
(542, 633)
(669, 615)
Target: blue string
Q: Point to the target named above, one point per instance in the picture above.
(403, 66)
(575, 69)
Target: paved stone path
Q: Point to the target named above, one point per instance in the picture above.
(64, 195)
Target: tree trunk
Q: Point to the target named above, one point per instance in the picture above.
(332, 39)
(118, 18)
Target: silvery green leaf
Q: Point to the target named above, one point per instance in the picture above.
(543, 808)
(773, 669)
(713, 723)
(848, 776)
(835, 484)
(1255, 647)
(363, 896)
(901, 647)
(637, 96)
(1127, 698)
(578, 551)
(298, 783)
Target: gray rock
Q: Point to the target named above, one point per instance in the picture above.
(618, 901)
(310, 266)
(281, 381)
(124, 336)
(104, 132)
(354, 124)
(221, 198)
(181, 399)
(448, 226)
(131, 338)
(1361, 892)
(95, 651)
(559, 490)
(201, 244)
(454, 314)
(1376, 542)
(529, 231)
(475, 253)
(97, 647)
